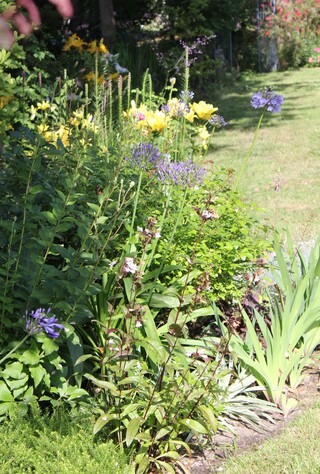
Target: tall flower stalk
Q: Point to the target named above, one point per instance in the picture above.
(268, 101)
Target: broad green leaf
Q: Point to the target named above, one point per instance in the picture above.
(166, 466)
(169, 454)
(75, 392)
(129, 409)
(103, 384)
(102, 421)
(51, 218)
(209, 417)
(37, 373)
(162, 432)
(31, 356)
(15, 384)
(5, 394)
(164, 301)
(38, 188)
(94, 207)
(49, 346)
(7, 407)
(83, 358)
(133, 379)
(13, 370)
(143, 463)
(194, 426)
(132, 430)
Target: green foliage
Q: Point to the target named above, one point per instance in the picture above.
(56, 444)
(107, 220)
(289, 333)
(230, 246)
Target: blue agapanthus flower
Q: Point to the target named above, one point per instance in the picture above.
(144, 154)
(181, 173)
(218, 121)
(267, 99)
(40, 321)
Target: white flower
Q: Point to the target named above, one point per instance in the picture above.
(129, 266)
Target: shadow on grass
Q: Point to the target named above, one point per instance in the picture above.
(234, 101)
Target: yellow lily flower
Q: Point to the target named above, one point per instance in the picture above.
(157, 121)
(44, 105)
(203, 110)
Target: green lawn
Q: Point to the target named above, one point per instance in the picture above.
(287, 148)
(295, 451)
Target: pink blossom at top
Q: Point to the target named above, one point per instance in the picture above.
(316, 50)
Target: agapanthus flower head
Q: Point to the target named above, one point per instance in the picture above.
(175, 108)
(186, 96)
(267, 99)
(181, 173)
(40, 321)
(144, 154)
(218, 121)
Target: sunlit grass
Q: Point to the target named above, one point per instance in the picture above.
(286, 150)
(294, 451)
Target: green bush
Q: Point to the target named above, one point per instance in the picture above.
(55, 445)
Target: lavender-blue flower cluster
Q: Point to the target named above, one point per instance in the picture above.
(267, 99)
(40, 321)
(181, 173)
(176, 109)
(217, 121)
(186, 96)
(143, 154)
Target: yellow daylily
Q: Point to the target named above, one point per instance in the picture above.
(46, 133)
(203, 110)
(92, 77)
(4, 100)
(74, 41)
(33, 111)
(88, 124)
(189, 116)
(93, 47)
(157, 121)
(203, 133)
(63, 133)
(44, 105)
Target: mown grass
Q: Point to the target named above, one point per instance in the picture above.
(287, 148)
(294, 451)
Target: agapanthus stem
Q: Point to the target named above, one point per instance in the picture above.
(177, 222)
(136, 199)
(14, 349)
(245, 161)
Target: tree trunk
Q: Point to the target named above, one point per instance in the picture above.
(107, 21)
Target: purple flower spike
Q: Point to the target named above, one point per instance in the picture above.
(267, 99)
(183, 173)
(218, 121)
(144, 154)
(40, 321)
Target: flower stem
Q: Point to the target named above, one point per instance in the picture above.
(245, 161)
(14, 349)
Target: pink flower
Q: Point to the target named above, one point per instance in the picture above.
(316, 50)
(310, 60)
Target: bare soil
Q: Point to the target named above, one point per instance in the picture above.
(225, 445)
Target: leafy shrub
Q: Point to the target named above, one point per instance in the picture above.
(97, 190)
(56, 444)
